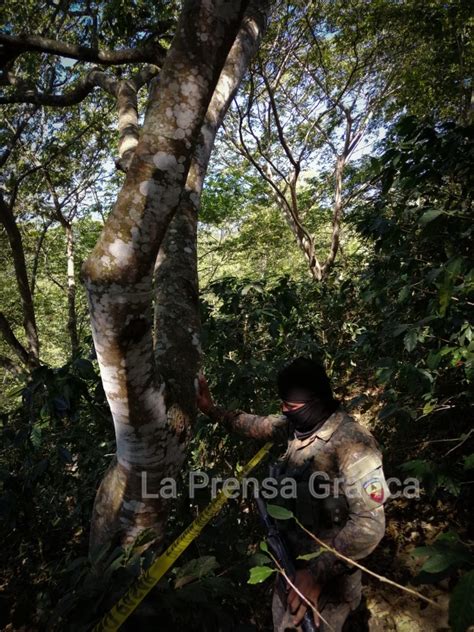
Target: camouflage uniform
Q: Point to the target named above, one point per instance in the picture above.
(352, 522)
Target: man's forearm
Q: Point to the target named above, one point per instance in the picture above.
(253, 426)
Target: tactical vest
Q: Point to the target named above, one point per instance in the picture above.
(314, 504)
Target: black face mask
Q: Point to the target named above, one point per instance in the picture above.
(310, 417)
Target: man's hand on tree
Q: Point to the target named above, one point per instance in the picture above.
(204, 397)
(306, 584)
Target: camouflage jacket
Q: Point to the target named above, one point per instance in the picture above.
(345, 456)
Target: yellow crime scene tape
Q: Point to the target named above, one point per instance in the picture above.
(137, 592)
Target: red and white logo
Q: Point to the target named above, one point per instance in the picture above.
(374, 489)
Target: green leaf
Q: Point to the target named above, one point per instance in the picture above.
(399, 329)
(410, 340)
(454, 267)
(279, 513)
(143, 538)
(259, 559)
(197, 568)
(426, 374)
(264, 546)
(403, 294)
(429, 216)
(259, 574)
(448, 536)
(35, 436)
(440, 561)
(418, 467)
(433, 360)
(447, 552)
(310, 556)
(469, 462)
(384, 374)
(429, 407)
(461, 605)
(445, 292)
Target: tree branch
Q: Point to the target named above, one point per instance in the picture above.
(39, 245)
(127, 106)
(12, 341)
(8, 364)
(29, 322)
(13, 46)
(15, 138)
(74, 95)
(281, 135)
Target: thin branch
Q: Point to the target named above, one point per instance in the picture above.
(464, 439)
(39, 245)
(13, 141)
(352, 562)
(281, 135)
(52, 157)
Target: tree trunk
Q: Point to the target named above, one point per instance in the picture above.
(71, 290)
(29, 321)
(151, 432)
(177, 324)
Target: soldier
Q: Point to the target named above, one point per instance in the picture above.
(340, 485)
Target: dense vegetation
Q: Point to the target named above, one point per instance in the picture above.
(391, 319)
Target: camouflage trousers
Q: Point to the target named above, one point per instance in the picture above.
(338, 598)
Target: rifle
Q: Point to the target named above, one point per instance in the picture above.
(280, 551)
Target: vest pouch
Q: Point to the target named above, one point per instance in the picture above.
(315, 510)
(334, 512)
(308, 508)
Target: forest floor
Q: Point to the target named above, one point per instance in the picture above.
(386, 608)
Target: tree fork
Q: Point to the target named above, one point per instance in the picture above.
(118, 275)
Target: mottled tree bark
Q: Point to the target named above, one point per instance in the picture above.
(151, 422)
(177, 324)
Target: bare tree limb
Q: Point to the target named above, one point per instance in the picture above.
(13, 46)
(16, 133)
(74, 95)
(279, 126)
(127, 106)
